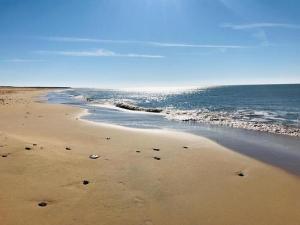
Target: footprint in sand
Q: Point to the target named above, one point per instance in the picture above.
(147, 222)
(139, 201)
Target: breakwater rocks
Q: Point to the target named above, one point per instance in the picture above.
(127, 106)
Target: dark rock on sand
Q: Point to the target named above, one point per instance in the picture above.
(241, 174)
(157, 158)
(156, 149)
(68, 148)
(43, 204)
(85, 182)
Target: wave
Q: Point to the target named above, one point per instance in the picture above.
(250, 120)
(124, 107)
(258, 121)
(131, 107)
(272, 121)
(79, 97)
(247, 119)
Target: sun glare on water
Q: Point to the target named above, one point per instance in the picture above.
(161, 89)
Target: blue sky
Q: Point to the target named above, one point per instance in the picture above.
(135, 43)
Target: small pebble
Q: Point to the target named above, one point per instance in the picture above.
(42, 204)
(156, 149)
(157, 158)
(138, 151)
(85, 182)
(185, 147)
(93, 156)
(68, 148)
(28, 148)
(241, 174)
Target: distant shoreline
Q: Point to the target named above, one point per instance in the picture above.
(36, 87)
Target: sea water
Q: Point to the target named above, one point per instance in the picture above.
(262, 121)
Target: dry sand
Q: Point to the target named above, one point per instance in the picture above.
(193, 186)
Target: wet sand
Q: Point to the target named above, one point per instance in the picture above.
(138, 177)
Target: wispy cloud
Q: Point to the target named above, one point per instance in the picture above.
(89, 40)
(260, 25)
(150, 43)
(183, 45)
(19, 60)
(98, 53)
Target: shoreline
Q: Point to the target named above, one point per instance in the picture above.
(276, 157)
(231, 119)
(127, 184)
(276, 150)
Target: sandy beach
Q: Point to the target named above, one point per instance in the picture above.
(141, 177)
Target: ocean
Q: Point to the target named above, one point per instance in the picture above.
(261, 121)
(269, 108)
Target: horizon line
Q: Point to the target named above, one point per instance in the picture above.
(186, 86)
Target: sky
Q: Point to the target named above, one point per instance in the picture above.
(148, 43)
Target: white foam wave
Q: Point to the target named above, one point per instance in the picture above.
(109, 105)
(241, 119)
(79, 97)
